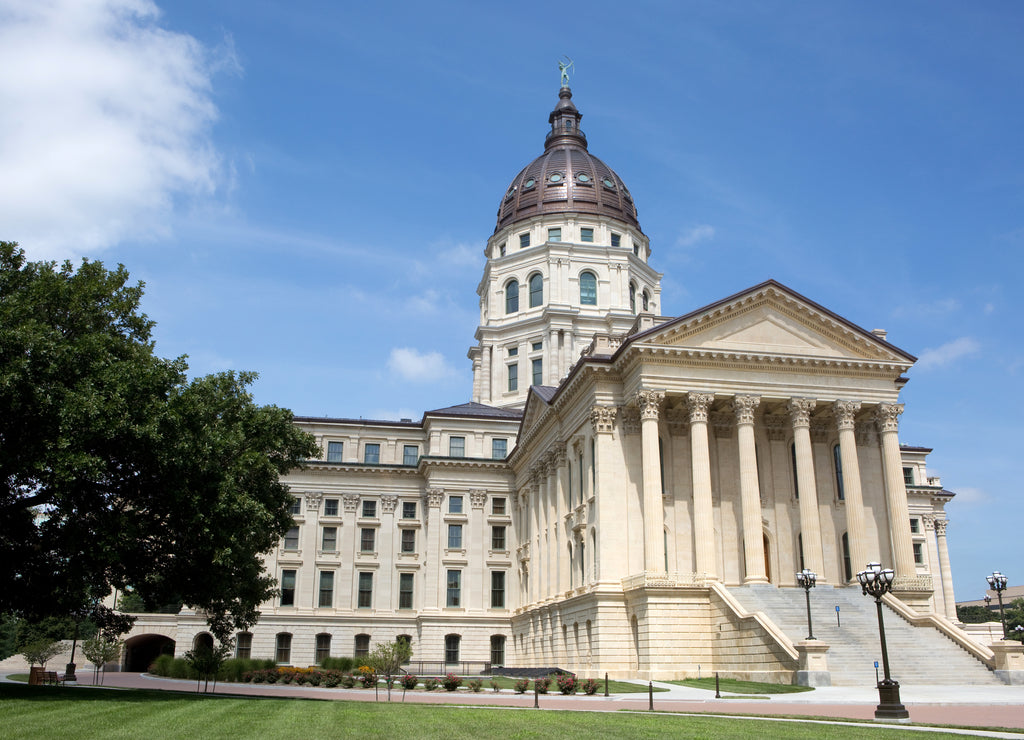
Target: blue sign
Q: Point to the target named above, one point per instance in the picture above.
(876, 664)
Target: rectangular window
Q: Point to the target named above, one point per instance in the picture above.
(291, 539)
(456, 446)
(497, 650)
(451, 648)
(538, 371)
(329, 540)
(326, 588)
(498, 506)
(410, 455)
(513, 351)
(636, 249)
(287, 588)
(455, 504)
(323, 649)
(454, 588)
(501, 249)
(499, 448)
(915, 526)
(362, 648)
(334, 450)
(908, 476)
(405, 590)
(454, 536)
(369, 509)
(554, 235)
(296, 506)
(918, 553)
(586, 235)
(616, 239)
(367, 539)
(524, 240)
(537, 346)
(408, 540)
(498, 537)
(243, 645)
(330, 507)
(284, 648)
(365, 590)
(513, 378)
(497, 589)
(371, 454)
(408, 509)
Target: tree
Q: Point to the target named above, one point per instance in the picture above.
(116, 470)
(976, 614)
(387, 658)
(41, 651)
(99, 651)
(206, 661)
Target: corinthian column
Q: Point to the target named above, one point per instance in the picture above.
(654, 509)
(852, 493)
(750, 489)
(888, 419)
(703, 505)
(810, 524)
(948, 600)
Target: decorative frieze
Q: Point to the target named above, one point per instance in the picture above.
(721, 422)
(867, 435)
(887, 416)
(744, 407)
(845, 413)
(775, 427)
(629, 417)
(820, 431)
(350, 501)
(800, 411)
(602, 419)
(388, 503)
(678, 420)
(477, 498)
(698, 405)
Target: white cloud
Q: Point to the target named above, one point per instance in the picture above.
(106, 121)
(415, 366)
(696, 235)
(948, 352)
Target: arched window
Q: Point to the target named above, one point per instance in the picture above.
(838, 460)
(451, 648)
(497, 650)
(572, 571)
(243, 645)
(323, 648)
(512, 296)
(536, 290)
(283, 653)
(632, 297)
(362, 646)
(203, 639)
(645, 299)
(588, 289)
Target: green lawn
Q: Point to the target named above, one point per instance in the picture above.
(742, 687)
(614, 687)
(34, 712)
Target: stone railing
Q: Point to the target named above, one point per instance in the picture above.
(656, 579)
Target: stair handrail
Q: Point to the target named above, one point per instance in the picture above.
(761, 618)
(961, 638)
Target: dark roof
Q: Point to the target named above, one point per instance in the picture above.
(582, 183)
(911, 448)
(368, 422)
(546, 392)
(476, 411)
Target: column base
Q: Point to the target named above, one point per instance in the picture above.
(890, 708)
(755, 579)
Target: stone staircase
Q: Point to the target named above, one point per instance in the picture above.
(917, 655)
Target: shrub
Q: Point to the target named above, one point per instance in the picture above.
(590, 687)
(348, 681)
(162, 665)
(345, 665)
(451, 682)
(495, 685)
(475, 685)
(409, 681)
(542, 684)
(272, 676)
(430, 684)
(331, 680)
(522, 685)
(567, 683)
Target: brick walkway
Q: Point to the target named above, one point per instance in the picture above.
(951, 705)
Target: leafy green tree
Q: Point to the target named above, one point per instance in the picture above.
(976, 614)
(41, 651)
(206, 661)
(99, 651)
(116, 470)
(387, 659)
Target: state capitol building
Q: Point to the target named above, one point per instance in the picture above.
(627, 492)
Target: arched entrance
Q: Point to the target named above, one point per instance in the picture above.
(767, 557)
(204, 639)
(140, 651)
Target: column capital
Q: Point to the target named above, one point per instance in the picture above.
(477, 498)
(845, 412)
(561, 454)
(648, 402)
(350, 501)
(434, 497)
(744, 407)
(602, 419)
(800, 411)
(940, 527)
(388, 503)
(313, 500)
(887, 416)
(699, 403)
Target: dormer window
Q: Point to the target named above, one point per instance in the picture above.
(555, 177)
(529, 184)
(583, 177)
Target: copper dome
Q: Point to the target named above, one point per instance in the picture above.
(566, 178)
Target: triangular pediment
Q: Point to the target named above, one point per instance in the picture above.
(772, 320)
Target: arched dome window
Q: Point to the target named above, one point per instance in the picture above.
(632, 297)
(512, 297)
(646, 300)
(536, 290)
(588, 289)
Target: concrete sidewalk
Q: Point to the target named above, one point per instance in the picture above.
(964, 706)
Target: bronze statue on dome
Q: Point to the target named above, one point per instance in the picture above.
(564, 69)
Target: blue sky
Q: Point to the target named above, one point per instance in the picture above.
(306, 188)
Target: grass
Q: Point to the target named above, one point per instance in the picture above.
(33, 712)
(614, 687)
(742, 687)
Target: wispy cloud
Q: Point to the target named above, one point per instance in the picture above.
(696, 235)
(971, 496)
(928, 309)
(105, 124)
(418, 367)
(948, 352)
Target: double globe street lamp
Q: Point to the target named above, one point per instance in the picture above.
(806, 579)
(876, 581)
(997, 582)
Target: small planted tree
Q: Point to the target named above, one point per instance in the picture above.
(387, 659)
(99, 651)
(40, 651)
(206, 661)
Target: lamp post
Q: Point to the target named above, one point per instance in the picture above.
(876, 582)
(1019, 631)
(997, 582)
(806, 579)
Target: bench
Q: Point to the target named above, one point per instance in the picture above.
(52, 678)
